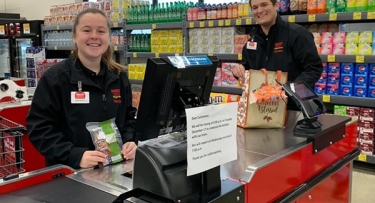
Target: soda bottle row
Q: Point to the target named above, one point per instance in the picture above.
(157, 13)
(288, 7)
(202, 11)
(117, 37)
(140, 43)
(360, 5)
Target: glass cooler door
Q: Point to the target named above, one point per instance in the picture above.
(20, 70)
(4, 58)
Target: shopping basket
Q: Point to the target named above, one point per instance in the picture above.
(11, 150)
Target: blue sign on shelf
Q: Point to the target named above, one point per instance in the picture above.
(184, 61)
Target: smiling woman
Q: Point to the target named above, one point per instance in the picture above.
(87, 87)
(91, 37)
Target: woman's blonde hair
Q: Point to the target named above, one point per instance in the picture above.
(107, 56)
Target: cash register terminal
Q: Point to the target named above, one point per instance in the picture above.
(170, 86)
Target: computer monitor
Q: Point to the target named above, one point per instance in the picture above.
(168, 89)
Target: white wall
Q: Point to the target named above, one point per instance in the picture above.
(31, 9)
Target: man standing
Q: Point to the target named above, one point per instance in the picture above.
(278, 45)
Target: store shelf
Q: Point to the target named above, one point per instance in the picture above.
(349, 101)
(154, 26)
(366, 158)
(150, 55)
(336, 17)
(312, 18)
(56, 27)
(118, 48)
(68, 48)
(60, 48)
(70, 26)
(348, 58)
(325, 58)
(221, 23)
(136, 82)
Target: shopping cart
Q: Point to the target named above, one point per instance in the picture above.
(11, 150)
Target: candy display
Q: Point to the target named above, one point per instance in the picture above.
(366, 119)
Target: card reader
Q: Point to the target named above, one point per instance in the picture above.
(310, 105)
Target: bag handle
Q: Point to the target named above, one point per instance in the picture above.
(279, 75)
(266, 74)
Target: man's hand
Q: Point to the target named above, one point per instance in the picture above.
(92, 158)
(239, 71)
(128, 150)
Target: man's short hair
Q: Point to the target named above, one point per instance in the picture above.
(272, 1)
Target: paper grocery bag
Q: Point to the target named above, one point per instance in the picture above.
(263, 102)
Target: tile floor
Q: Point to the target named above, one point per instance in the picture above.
(363, 183)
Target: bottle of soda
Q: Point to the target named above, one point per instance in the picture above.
(370, 5)
(312, 6)
(218, 11)
(224, 11)
(284, 7)
(294, 7)
(302, 6)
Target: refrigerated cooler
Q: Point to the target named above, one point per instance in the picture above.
(15, 37)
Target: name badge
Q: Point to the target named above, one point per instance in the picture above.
(251, 45)
(80, 97)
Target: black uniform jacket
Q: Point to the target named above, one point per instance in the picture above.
(288, 47)
(57, 127)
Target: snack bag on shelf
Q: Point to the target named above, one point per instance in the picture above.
(107, 139)
(263, 103)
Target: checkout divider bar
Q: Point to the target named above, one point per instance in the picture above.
(315, 180)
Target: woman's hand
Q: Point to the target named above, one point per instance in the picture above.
(128, 150)
(92, 158)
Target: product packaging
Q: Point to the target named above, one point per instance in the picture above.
(107, 139)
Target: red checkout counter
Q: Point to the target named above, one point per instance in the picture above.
(272, 166)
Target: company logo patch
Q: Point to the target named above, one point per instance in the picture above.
(278, 47)
(116, 93)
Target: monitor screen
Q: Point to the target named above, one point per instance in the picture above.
(168, 90)
(303, 92)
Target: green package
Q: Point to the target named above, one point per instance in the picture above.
(339, 110)
(107, 139)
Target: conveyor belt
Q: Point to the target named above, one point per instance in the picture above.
(60, 190)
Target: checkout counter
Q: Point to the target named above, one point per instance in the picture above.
(273, 165)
